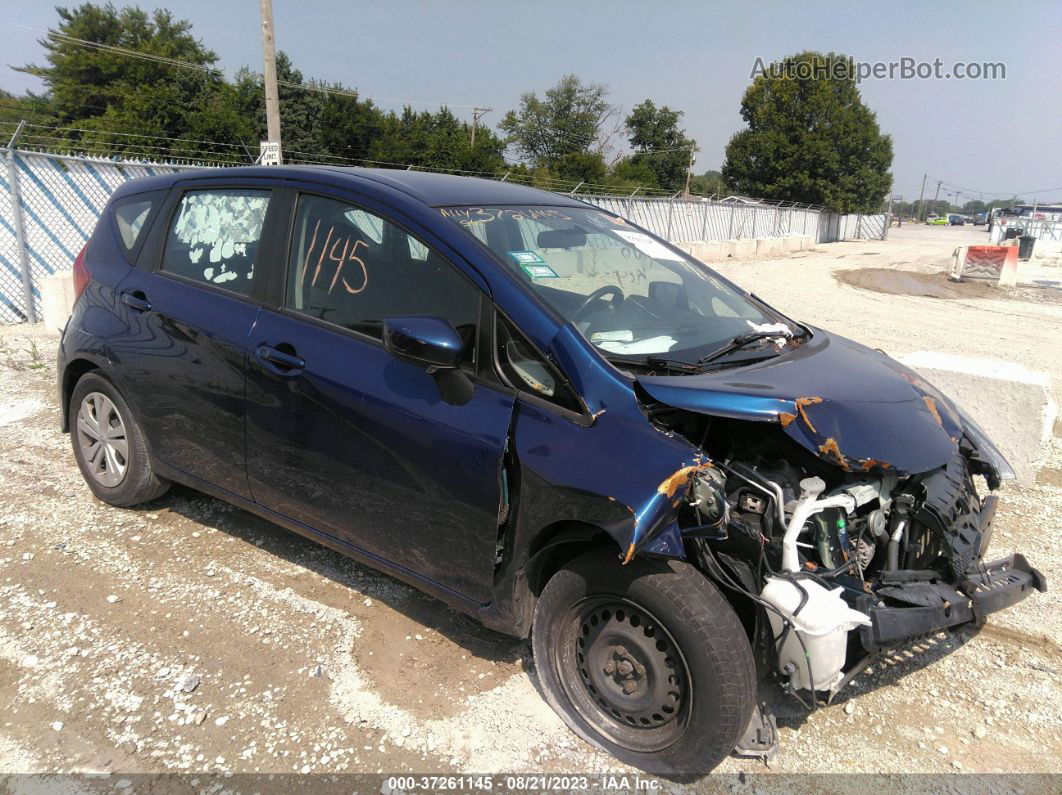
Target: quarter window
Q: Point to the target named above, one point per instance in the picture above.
(214, 237)
(353, 268)
(131, 218)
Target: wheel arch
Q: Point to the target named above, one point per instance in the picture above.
(74, 371)
(561, 542)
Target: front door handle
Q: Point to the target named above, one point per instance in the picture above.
(137, 300)
(280, 361)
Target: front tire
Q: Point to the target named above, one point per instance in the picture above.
(646, 661)
(109, 447)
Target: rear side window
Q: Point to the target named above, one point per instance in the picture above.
(131, 219)
(214, 236)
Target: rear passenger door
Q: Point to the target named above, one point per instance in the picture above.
(190, 306)
(347, 439)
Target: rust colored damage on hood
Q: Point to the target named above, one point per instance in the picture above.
(932, 406)
(832, 452)
(800, 403)
(785, 418)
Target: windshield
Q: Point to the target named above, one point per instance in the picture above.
(623, 289)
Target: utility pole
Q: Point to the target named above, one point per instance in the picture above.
(689, 171)
(269, 78)
(937, 194)
(477, 114)
(921, 197)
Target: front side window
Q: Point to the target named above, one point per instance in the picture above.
(214, 237)
(354, 269)
(624, 290)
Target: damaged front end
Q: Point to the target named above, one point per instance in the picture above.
(841, 516)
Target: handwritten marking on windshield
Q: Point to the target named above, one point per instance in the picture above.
(468, 216)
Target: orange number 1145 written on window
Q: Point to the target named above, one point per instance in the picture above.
(328, 252)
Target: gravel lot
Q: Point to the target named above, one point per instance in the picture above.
(188, 635)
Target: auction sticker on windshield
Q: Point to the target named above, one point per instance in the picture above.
(533, 265)
(646, 245)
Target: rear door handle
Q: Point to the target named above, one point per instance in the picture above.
(280, 362)
(137, 300)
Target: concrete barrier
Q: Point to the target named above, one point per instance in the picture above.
(57, 300)
(741, 248)
(715, 250)
(1011, 403)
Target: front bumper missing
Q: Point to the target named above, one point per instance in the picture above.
(930, 606)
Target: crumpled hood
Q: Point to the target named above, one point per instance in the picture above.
(848, 404)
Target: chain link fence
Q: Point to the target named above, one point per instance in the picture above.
(49, 205)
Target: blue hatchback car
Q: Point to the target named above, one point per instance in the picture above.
(546, 417)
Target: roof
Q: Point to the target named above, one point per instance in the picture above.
(434, 190)
(440, 190)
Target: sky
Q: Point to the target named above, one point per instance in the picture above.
(997, 137)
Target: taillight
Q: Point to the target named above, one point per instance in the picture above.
(81, 274)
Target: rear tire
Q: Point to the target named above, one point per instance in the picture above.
(646, 661)
(109, 446)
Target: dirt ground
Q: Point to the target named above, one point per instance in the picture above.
(188, 635)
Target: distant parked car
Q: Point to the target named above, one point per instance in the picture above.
(545, 416)
(956, 220)
(980, 219)
(935, 220)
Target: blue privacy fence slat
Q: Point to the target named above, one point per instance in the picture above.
(61, 197)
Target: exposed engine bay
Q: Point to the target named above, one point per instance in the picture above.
(843, 563)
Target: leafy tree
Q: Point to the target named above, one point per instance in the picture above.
(632, 172)
(109, 95)
(29, 107)
(300, 107)
(810, 138)
(660, 144)
(708, 184)
(570, 120)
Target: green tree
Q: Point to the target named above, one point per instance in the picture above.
(301, 106)
(660, 144)
(810, 138)
(112, 97)
(710, 183)
(569, 120)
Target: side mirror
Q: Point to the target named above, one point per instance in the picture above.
(423, 339)
(432, 343)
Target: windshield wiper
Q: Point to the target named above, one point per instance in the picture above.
(657, 363)
(740, 342)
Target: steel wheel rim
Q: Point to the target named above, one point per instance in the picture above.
(625, 674)
(101, 435)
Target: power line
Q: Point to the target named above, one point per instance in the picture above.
(312, 86)
(953, 186)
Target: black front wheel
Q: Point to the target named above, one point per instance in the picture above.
(646, 661)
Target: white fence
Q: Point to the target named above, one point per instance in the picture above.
(49, 205)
